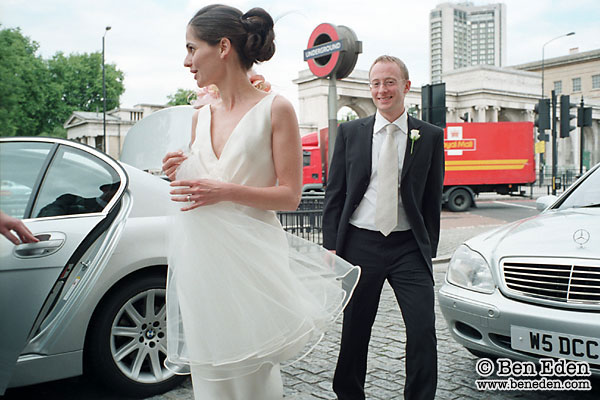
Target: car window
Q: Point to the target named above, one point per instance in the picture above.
(586, 194)
(20, 165)
(76, 183)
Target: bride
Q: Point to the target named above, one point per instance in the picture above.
(242, 294)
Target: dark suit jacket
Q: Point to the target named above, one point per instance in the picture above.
(420, 186)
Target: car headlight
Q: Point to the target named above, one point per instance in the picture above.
(468, 269)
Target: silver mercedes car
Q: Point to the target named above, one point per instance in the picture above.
(531, 289)
(89, 297)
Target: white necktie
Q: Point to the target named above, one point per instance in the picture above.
(386, 212)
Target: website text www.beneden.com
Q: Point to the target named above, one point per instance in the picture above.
(546, 372)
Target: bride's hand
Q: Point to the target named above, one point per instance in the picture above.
(199, 192)
(171, 162)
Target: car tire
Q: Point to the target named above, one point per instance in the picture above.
(126, 344)
(459, 200)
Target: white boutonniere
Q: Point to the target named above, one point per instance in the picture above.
(414, 136)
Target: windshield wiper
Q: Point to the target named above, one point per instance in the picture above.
(591, 205)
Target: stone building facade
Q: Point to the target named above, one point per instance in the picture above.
(87, 127)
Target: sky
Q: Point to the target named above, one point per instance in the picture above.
(147, 37)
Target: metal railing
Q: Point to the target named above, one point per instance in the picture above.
(564, 178)
(307, 221)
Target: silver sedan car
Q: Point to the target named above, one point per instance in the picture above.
(90, 295)
(531, 289)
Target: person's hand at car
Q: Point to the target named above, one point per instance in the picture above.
(171, 162)
(9, 224)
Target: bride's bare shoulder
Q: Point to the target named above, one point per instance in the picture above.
(282, 108)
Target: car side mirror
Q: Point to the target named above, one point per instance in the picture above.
(544, 202)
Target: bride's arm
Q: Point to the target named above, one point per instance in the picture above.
(287, 156)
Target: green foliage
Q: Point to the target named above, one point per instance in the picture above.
(346, 114)
(180, 97)
(80, 84)
(22, 74)
(37, 96)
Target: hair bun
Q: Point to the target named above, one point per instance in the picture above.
(260, 45)
(251, 34)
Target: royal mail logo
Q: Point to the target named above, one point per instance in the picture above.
(462, 144)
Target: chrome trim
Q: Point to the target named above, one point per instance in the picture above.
(556, 284)
(30, 357)
(49, 327)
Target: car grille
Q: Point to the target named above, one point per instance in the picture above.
(564, 281)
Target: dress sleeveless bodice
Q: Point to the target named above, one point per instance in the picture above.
(246, 158)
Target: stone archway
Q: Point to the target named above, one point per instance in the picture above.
(359, 107)
(353, 92)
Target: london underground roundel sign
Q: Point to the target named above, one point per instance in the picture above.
(332, 51)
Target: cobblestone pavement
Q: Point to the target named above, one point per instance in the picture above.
(310, 378)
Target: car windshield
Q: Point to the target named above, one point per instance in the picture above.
(586, 194)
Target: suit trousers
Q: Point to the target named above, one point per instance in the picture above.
(397, 259)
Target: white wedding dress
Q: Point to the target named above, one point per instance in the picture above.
(242, 294)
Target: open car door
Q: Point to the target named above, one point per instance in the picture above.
(74, 199)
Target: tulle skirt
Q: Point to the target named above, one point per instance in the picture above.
(242, 292)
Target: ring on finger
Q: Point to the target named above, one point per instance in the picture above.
(189, 198)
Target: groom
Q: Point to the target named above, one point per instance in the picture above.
(382, 212)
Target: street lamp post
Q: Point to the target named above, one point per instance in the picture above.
(543, 49)
(104, 94)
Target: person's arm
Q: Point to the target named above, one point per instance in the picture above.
(9, 224)
(287, 156)
(432, 201)
(335, 193)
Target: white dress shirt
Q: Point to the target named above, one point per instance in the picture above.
(364, 215)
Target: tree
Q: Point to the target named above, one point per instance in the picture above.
(346, 114)
(23, 76)
(79, 78)
(180, 97)
(37, 96)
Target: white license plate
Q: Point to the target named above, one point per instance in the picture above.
(554, 344)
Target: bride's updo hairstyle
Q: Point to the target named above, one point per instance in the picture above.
(251, 34)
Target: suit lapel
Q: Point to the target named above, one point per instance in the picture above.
(365, 141)
(408, 157)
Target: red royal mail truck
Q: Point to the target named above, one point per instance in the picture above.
(487, 157)
(480, 157)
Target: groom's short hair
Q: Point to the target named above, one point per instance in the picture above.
(392, 59)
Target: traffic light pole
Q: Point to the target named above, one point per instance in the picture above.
(554, 143)
(542, 122)
(581, 139)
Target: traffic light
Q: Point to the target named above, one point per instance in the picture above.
(543, 137)
(542, 118)
(566, 116)
(584, 116)
(433, 104)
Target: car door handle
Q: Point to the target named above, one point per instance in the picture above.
(49, 243)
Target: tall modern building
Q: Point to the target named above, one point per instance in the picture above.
(462, 34)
